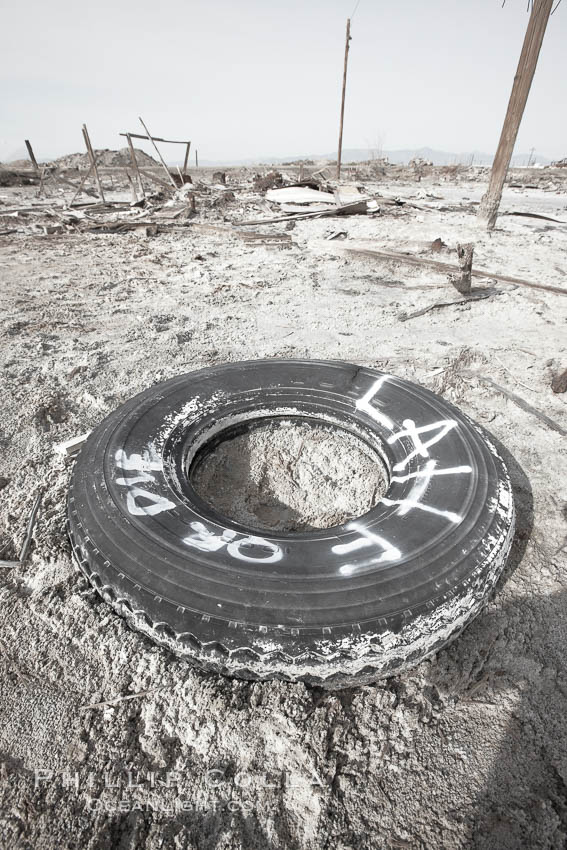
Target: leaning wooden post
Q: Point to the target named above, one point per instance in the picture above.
(186, 158)
(41, 189)
(339, 155)
(165, 168)
(82, 183)
(196, 158)
(32, 156)
(93, 161)
(132, 187)
(490, 203)
(135, 165)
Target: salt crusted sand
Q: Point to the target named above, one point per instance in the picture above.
(467, 750)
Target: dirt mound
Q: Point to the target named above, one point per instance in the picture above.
(105, 159)
(18, 164)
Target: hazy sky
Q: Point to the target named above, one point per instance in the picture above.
(247, 78)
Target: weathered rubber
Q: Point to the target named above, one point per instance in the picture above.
(334, 608)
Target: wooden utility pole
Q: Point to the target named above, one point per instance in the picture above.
(340, 152)
(541, 9)
(90, 152)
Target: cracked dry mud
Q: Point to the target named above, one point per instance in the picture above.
(107, 740)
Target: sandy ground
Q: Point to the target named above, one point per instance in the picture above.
(108, 741)
(291, 476)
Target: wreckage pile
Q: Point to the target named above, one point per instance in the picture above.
(230, 202)
(173, 202)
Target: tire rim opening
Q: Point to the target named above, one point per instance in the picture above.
(289, 475)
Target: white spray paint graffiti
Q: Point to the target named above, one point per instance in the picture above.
(206, 541)
(413, 433)
(453, 470)
(422, 477)
(422, 480)
(367, 538)
(143, 465)
(364, 404)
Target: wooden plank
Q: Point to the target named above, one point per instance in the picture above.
(551, 423)
(56, 175)
(83, 181)
(155, 138)
(332, 211)
(132, 187)
(72, 446)
(93, 161)
(157, 180)
(447, 268)
(490, 203)
(165, 168)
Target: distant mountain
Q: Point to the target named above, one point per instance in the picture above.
(401, 157)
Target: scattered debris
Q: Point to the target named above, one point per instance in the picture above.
(437, 246)
(31, 525)
(72, 446)
(348, 209)
(559, 382)
(109, 703)
(294, 199)
(535, 215)
(272, 180)
(219, 177)
(300, 195)
(470, 373)
(475, 296)
(346, 194)
(29, 535)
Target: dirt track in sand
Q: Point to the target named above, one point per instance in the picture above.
(469, 749)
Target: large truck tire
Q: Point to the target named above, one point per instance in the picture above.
(333, 607)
